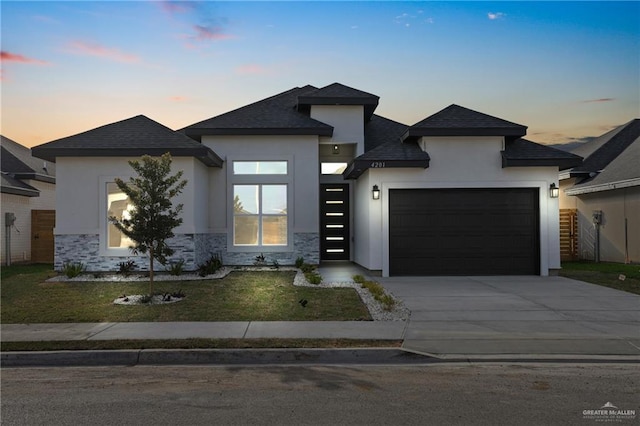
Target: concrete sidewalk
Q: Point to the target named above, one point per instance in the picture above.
(375, 330)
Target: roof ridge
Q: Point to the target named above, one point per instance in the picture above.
(252, 104)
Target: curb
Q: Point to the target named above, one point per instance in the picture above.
(212, 357)
(221, 357)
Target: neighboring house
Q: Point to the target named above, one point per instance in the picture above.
(314, 173)
(28, 205)
(603, 194)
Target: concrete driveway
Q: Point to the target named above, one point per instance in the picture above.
(517, 315)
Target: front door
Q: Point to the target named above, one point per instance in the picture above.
(334, 221)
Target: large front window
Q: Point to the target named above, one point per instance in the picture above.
(260, 215)
(118, 206)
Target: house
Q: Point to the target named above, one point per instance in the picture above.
(28, 205)
(315, 173)
(602, 197)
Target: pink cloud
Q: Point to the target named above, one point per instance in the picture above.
(204, 33)
(178, 98)
(14, 57)
(252, 69)
(177, 6)
(95, 49)
(588, 101)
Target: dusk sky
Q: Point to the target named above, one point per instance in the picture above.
(567, 70)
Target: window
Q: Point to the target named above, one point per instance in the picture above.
(259, 215)
(259, 167)
(117, 206)
(332, 168)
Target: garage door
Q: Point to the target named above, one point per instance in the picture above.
(464, 231)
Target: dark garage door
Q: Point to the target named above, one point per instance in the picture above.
(464, 231)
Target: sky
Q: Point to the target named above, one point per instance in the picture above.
(567, 70)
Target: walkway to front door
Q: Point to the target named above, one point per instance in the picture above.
(334, 221)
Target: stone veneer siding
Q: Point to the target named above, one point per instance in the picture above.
(193, 249)
(306, 245)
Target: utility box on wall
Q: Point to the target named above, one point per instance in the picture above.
(9, 219)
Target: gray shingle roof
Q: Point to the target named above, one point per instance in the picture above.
(134, 136)
(524, 153)
(608, 147)
(381, 130)
(615, 163)
(18, 160)
(11, 185)
(384, 148)
(276, 115)
(455, 120)
(339, 94)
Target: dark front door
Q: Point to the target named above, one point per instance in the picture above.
(334, 222)
(483, 231)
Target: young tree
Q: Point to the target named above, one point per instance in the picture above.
(153, 218)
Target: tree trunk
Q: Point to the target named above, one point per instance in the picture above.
(151, 271)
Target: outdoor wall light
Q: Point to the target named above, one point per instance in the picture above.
(336, 149)
(375, 192)
(554, 191)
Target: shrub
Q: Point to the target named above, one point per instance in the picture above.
(178, 294)
(307, 268)
(73, 269)
(313, 277)
(377, 291)
(358, 279)
(146, 298)
(176, 268)
(211, 266)
(299, 262)
(374, 288)
(125, 268)
(275, 264)
(260, 260)
(388, 302)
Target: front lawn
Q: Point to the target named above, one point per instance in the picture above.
(241, 296)
(615, 275)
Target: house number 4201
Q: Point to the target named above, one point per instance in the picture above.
(377, 164)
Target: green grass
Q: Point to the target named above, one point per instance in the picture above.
(241, 296)
(605, 274)
(77, 345)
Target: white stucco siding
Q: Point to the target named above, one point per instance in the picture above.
(457, 163)
(347, 122)
(80, 195)
(302, 154)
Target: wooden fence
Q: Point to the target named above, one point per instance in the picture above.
(568, 234)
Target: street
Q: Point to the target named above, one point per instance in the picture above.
(444, 394)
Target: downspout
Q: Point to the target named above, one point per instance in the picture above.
(596, 248)
(7, 250)
(597, 220)
(9, 220)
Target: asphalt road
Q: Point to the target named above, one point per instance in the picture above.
(460, 394)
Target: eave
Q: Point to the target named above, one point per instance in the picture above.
(204, 154)
(20, 191)
(268, 131)
(358, 167)
(418, 132)
(561, 163)
(588, 189)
